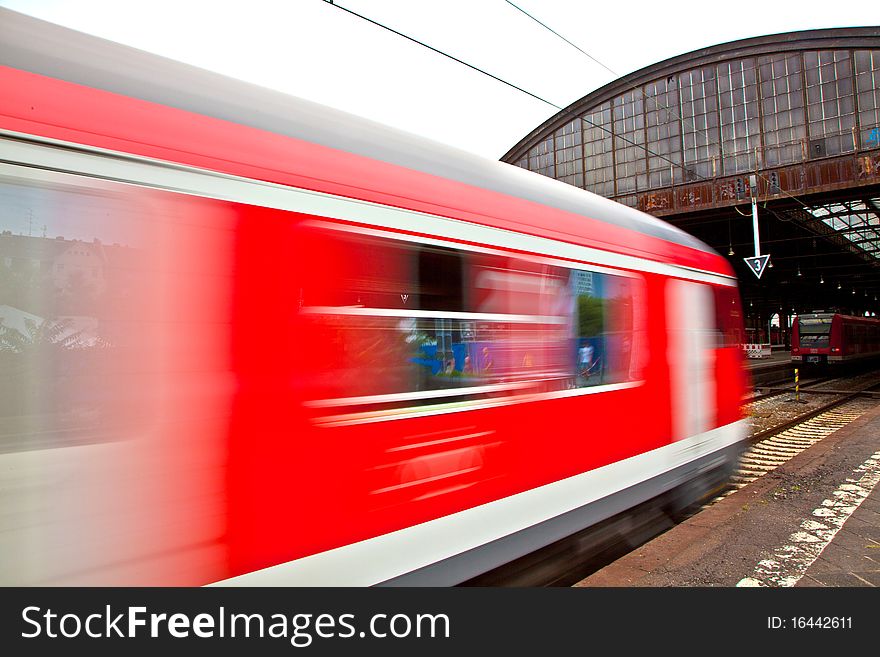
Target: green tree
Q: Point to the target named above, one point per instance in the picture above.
(591, 316)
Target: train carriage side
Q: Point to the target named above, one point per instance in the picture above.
(834, 338)
(258, 359)
(854, 339)
(842, 340)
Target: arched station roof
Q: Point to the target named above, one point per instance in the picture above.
(792, 119)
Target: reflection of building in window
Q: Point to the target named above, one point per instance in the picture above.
(80, 264)
(57, 276)
(581, 282)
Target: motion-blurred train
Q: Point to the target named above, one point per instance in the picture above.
(833, 338)
(251, 340)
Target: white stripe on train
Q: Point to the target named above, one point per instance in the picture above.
(385, 557)
(65, 157)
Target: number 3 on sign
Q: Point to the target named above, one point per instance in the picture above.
(757, 264)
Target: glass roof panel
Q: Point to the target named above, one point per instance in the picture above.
(855, 219)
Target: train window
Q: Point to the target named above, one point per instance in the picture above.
(439, 279)
(355, 271)
(814, 332)
(400, 324)
(394, 323)
(524, 311)
(609, 334)
(384, 318)
(814, 325)
(114, 291)
(60, 331)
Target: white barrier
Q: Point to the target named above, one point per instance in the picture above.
(757, 350)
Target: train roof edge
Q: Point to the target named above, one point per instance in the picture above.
(44, 48)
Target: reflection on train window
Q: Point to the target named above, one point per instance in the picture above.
(608, 337)
(404, 324)
(815, 326)
(105, 293)
(814, 332)
(67, 258)
(406, 358)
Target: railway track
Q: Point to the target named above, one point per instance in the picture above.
(851, 380)
(777, 411)
(779, 446)
(801, 427)
(774, 445)
(791, 430)
(809, 385)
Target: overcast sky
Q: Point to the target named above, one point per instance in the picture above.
(314, 50)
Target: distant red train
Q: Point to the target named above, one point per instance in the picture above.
(832, 338)
(246, 339)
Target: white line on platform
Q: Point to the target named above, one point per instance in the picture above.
(789, 563)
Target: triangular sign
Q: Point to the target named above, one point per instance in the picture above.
(757, 264)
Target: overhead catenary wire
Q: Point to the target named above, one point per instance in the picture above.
(635, 88)
(646, 97)
(573, 45)
(758, 175)
(573, 115)
(583, 119)
(503, 81)
(439, 52)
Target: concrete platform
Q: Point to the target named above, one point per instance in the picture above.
(776, 358)
(814, 522)
(773, 369)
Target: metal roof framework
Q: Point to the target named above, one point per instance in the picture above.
(857, 221)
(819, 210)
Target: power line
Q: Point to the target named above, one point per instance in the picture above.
(635, 88)
(612, 71)
(646, 97)
(573, 45)
(681, 165)
(509, 84)
(567, 113)
(440, 52)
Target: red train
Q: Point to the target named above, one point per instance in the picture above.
(832, 338)
(252, 340)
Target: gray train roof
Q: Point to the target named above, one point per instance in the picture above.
(44, 48)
